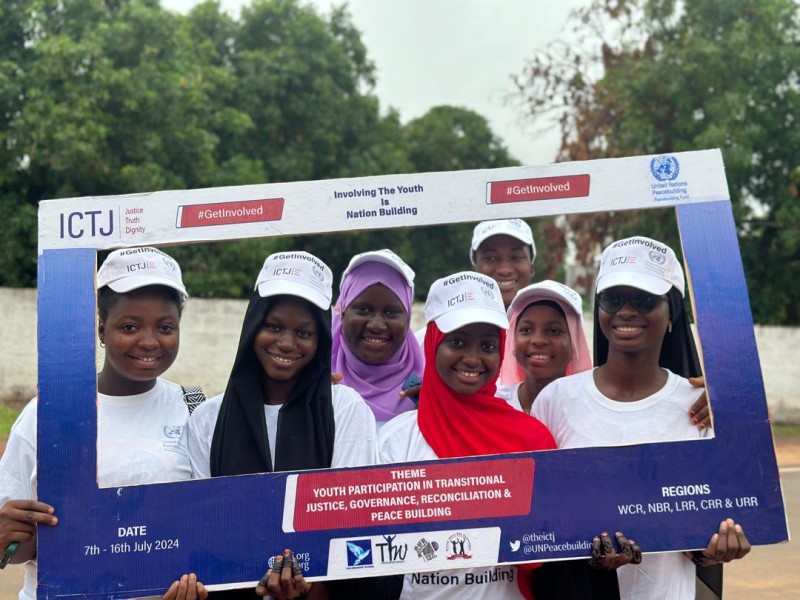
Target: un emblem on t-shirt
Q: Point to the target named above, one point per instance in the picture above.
(173, 432)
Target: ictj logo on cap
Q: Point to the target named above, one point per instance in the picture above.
(142, 266)
(287, 271)
(465, 297)
(622, 260)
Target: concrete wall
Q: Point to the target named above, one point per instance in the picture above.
(210, 332)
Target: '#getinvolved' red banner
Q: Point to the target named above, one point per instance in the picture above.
(230, 213)
(543, 188)
(396, 495)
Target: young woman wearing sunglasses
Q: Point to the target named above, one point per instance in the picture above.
(638, 392)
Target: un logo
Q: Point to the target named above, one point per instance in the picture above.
(657, 257)
(665, 167)
(173, 432)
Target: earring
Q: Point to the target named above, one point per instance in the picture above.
(669, 327)
(514, 353)
(102, 343)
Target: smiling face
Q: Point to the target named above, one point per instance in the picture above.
(375, 325)
(507, 260)
(629, 330)
(141, 333)
(542, 342)
(287, 340)
(469, 358)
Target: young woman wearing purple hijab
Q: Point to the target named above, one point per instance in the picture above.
(374, 349)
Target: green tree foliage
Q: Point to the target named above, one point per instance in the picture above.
(659, 76)
(448, 138)
(105, 97)
(443, 139)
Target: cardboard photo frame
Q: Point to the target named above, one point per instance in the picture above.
(550, 503)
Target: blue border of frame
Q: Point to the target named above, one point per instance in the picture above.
(228, 527)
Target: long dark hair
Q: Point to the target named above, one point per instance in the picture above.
(306, 425)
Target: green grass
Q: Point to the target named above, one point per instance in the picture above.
(7, 418)
(786, 430)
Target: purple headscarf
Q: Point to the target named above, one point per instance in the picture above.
(379, 385)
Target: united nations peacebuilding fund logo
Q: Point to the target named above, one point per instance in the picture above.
(657, 257)
(665, 167)
(458, 546)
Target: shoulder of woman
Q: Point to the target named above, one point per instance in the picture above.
(402, 425)
(684, 385)
(171, 389)
(346, 400)
(207, 411)
(508, 392)
(345, 395)
(398, 438)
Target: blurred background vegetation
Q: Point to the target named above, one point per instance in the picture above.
(107, 97)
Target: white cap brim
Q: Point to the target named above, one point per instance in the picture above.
(453, 320)
(640, 281)
(128, 284)
(275, 287)
(377, 257)
(527, 296)
(522, 233)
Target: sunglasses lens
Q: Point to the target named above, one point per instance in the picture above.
(644, 302)
(610, 303)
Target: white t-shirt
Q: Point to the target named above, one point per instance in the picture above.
(353, 444)
(140, 439)
(419, 335)
(579, 416)
(510, 393)
(401, 441)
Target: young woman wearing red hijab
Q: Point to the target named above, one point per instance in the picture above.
(459, 415)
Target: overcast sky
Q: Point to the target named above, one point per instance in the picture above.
(456, 52)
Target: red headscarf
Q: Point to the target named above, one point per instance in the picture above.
(457, 425)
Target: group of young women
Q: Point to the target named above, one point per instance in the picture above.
(281, 410)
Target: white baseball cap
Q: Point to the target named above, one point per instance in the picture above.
(386, 257)
(516, 228)
(464, 298)
(641, 263)
(547, 290)
(129, 269)
(296, 274)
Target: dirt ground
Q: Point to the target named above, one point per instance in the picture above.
(788, 451)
